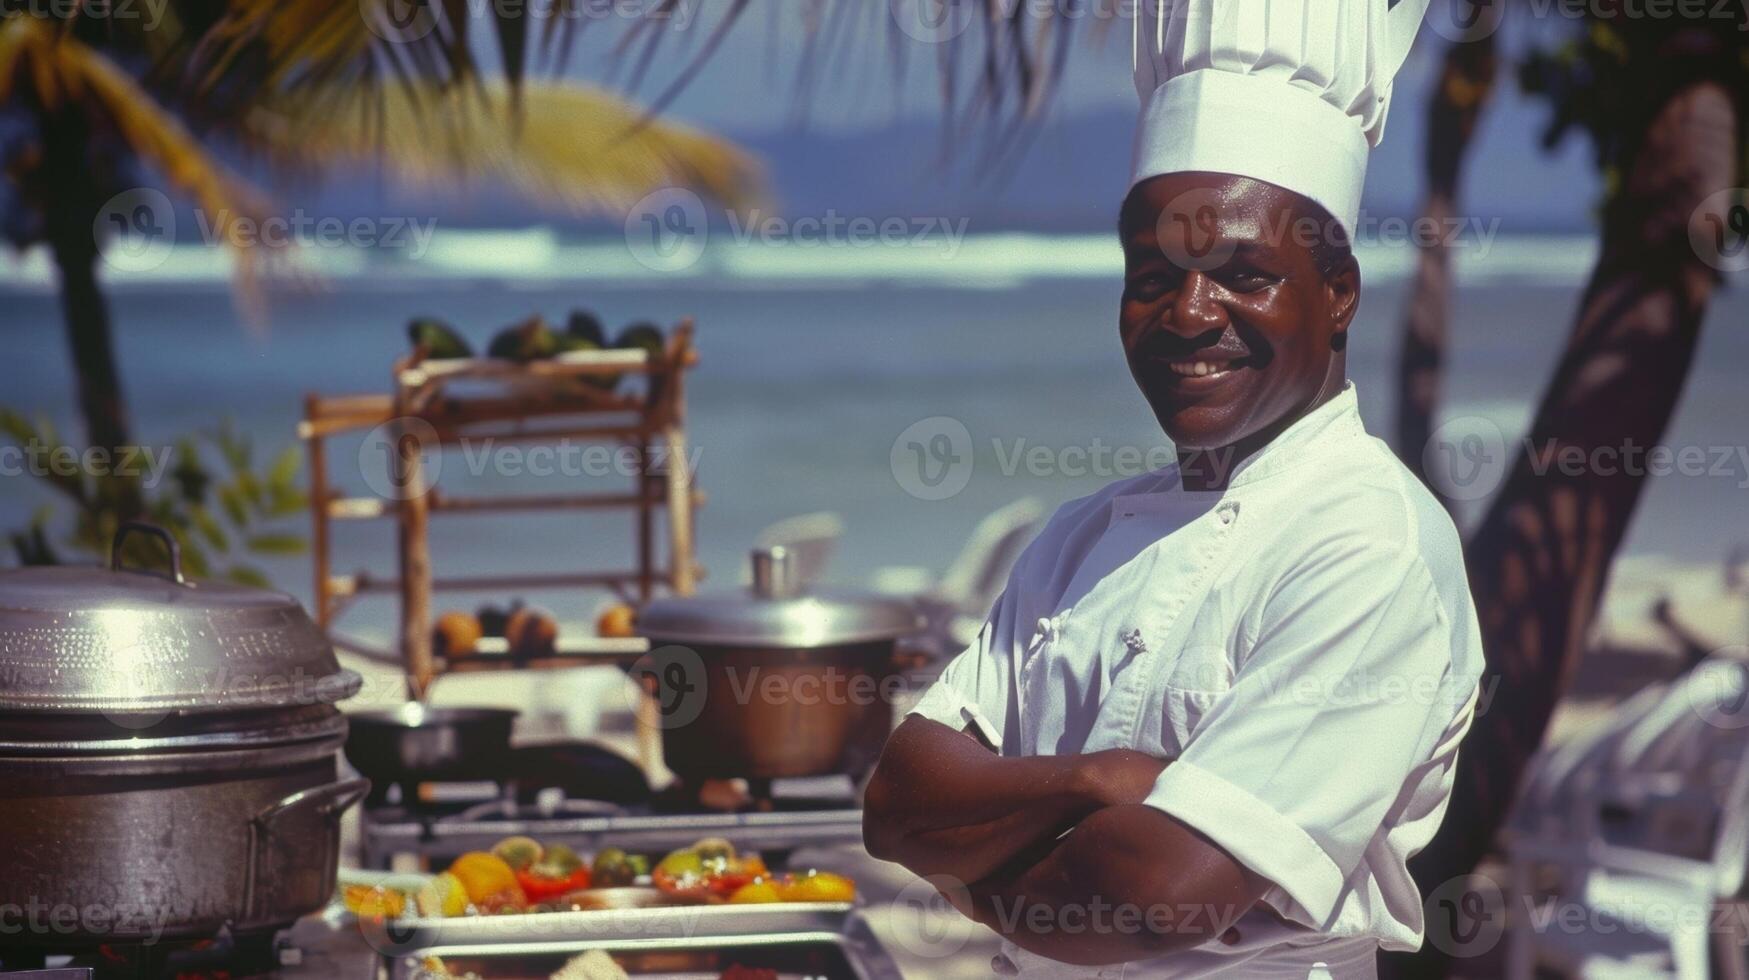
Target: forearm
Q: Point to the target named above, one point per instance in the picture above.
(1127, 883)
(941, 803)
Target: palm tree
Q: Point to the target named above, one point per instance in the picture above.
(1460, 93)
(306, 86)
(1663, 102)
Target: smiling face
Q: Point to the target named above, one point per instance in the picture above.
(1236, 306)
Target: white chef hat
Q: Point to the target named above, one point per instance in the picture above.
(1293, 92)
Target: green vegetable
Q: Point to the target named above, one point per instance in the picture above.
(518, 852)
(559, 861)
(681, 864)
(615, 867)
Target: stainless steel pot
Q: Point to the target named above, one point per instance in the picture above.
(168, 756)
(774, 682)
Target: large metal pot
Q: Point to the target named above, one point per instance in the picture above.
(168, 757)
(774, 682)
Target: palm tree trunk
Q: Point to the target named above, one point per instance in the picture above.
(87, 321)
(1538, 562)
(70, 216)
(1465, 82)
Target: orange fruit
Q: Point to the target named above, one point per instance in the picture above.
(373, 901)
(818, 886)
(616, 620)
(531, 632)
(455, 634)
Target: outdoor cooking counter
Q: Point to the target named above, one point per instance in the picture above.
(327, 945)
(331, 947)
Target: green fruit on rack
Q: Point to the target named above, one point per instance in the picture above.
(584, 325)
(440, 340)
(530, 340)
(645, 336)
(493, 618)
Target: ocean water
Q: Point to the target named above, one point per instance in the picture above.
(814, 362)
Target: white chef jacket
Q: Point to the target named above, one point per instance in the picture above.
(1302, 645)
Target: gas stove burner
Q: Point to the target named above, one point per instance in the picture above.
(546, 806)
(227, 956)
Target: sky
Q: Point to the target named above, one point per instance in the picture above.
(875, 134)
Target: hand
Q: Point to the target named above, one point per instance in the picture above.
(1116, 777)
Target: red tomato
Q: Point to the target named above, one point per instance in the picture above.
(539, 888)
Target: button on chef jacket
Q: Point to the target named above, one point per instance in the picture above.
(1302, 645)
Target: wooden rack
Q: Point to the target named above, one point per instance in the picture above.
(538, 402)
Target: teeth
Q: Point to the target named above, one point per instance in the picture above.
(1198, 369)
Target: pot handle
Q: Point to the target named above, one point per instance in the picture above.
(154, 530)
(330, 801)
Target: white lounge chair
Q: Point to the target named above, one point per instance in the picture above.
(1651, 836)
(956, 602)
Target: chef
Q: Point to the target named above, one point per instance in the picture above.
(1218, 706)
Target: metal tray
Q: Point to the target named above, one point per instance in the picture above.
(851, 954)
(662, 923)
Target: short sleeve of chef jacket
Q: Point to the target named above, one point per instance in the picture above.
(1337, 710)
(973, 690)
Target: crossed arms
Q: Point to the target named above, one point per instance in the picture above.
(1052, 839)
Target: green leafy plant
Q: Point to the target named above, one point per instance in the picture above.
(209, 494)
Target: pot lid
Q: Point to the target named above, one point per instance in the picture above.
(774, 611)
(123, 641)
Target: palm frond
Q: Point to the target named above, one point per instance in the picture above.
(572, 146)
(45, 67)
(999, 62)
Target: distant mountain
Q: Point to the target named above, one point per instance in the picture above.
(1070, 179)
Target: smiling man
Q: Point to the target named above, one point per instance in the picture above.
(1217, 707)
